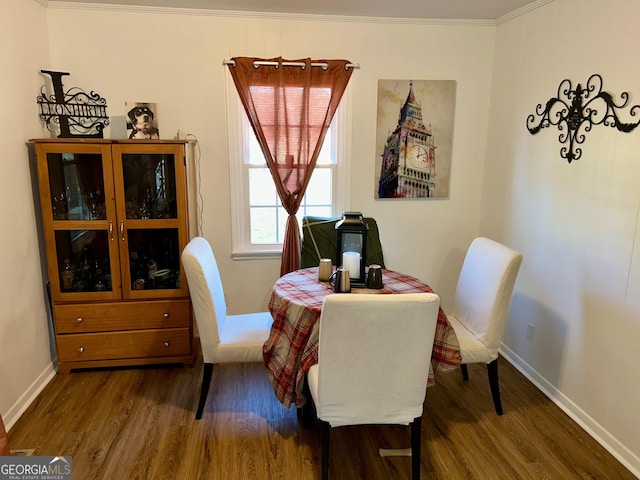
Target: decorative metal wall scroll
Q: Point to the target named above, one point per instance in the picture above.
(579, 110)
(74, 112)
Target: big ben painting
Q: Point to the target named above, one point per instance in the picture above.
(414, 138)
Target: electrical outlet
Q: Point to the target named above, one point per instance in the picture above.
(530, 330)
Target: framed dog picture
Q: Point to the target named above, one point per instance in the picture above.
(142, 120)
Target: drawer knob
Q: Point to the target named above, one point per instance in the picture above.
(165, 315)
(79, 320)
(166, 344)
(81, 349)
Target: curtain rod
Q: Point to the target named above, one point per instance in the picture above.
(258, 63)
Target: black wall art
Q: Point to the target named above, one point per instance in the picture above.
(73, 113)
(576, 110)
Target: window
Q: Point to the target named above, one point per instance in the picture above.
(258, 218)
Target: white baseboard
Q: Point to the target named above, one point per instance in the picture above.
(593, 428)
(18, 408)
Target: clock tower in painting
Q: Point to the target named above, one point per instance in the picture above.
(408, 162)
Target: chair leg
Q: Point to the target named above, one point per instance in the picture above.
(307, 413)
(465, 372)
(416, 433)
(326, 428)
(207, 372)
(492, 371)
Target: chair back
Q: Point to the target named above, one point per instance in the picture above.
(319, 240)
(373, 357)
(207, 294)
(484, 289)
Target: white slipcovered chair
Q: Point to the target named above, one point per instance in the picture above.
(481, 305)
(373, 362)
(224, 338)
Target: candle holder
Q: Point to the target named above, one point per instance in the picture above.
(351, 246)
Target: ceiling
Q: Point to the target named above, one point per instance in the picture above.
(433, 9)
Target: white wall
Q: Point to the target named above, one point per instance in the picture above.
(178, 65)
(25, 354)
(576, 224)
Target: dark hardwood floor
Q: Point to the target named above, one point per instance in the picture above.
(138, 423)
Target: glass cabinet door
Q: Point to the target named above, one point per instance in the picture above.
(149, 182)
(76, 185)
(154, 259)
(83, 261)
(151, 197)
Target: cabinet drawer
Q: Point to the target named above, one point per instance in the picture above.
(121, 345)
(107, 317)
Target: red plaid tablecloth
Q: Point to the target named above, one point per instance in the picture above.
(292, 347)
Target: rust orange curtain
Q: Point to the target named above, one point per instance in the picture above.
(290, 108)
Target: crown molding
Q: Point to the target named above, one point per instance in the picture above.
(522, 10)
(73, 5)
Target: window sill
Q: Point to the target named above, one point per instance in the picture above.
(255, 254)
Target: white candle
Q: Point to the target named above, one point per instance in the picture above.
(351, 261)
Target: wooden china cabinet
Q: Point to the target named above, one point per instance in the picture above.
(114, 215)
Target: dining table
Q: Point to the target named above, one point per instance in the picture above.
(296, 302)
